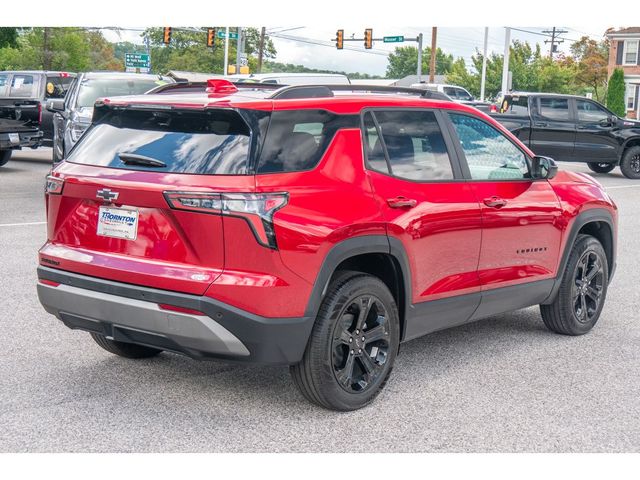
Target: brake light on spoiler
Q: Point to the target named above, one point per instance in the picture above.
(256, 208)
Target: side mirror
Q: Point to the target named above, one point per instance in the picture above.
(55, 105)
(543, 167)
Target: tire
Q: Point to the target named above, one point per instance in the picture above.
(567, 314)
(123, 349)
(601, 167)
(329, 356)
(630, 163)
(5, 155)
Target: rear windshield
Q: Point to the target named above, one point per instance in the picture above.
(515, 105)
(211, 142)
(21, 86)
(93, 88)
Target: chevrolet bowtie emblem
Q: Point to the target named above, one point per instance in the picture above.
(107, 195)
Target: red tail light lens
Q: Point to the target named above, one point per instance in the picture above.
(256, 208)
(53, 185)
(493, 109)
(39, 113)
(51, 283)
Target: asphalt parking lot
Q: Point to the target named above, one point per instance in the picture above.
(502, 384)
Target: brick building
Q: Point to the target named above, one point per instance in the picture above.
(624, 53)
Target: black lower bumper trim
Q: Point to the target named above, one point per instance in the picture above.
(273, 341)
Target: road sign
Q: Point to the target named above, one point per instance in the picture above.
(393, 39)
(222, 34)
(137, 60)
(244, 61)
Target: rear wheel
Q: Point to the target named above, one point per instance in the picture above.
(353, 344)
(5, 155)
(601, 167)
(581, 296)
(630, 164)
(123, 349)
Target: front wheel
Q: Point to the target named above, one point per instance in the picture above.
(353, 344)
(601, 167)
(630, 163)
(582, 292)
(5, 155)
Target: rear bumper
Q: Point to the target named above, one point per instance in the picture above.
(130, 313)
(26, 139)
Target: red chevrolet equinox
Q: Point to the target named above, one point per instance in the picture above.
(313, 226)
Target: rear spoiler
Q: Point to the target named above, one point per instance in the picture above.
(200, 87)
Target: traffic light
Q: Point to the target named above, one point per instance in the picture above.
(167, 35)
(368, 38)
(340, 39)
(211, 37)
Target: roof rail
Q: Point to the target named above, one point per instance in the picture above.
(317, 91)
(195, 87)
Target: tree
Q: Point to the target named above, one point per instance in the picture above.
(188, 50)
(591, 59)
(404, 61)
(8, 37)
(271, 66)
(615, 93)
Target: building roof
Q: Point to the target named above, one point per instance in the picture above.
(622, 31)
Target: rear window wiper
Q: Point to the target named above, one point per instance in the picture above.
(135, 159)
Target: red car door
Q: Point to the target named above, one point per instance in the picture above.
(521, 217)
(430, 210)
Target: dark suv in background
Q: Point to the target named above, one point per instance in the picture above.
(72, 115)
(24, 120)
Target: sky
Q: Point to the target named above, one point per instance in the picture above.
(313, 47)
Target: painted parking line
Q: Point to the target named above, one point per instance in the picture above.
(21, 224)
(635, 185)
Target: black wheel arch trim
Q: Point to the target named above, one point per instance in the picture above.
(359, 246)
(582, 219)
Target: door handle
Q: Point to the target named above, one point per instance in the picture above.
(541, 124)
(495, 202)
(401, 202)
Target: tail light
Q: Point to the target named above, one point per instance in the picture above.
(39, 113)
(53, 185)
(256, 208)
(175, 308)
(493, 109)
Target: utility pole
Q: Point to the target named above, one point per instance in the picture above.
(555, 33)
(432, 63)
(46, 50)
(483, 80)
(505, 61)
(239, 50)
(261, 49)
(226, 51)
(419, 58)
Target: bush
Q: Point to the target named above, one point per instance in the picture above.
(615, 93)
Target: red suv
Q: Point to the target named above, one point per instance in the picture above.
(317, 227)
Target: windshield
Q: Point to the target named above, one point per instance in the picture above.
(210, 142)
(93, 88)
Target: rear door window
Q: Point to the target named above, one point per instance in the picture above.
(23, 86)
(297, 139)
(413, 143)
(554, 108)
(211, 142)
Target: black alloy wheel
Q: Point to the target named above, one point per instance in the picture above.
(601, 167)
(360, 343)
(588, 286)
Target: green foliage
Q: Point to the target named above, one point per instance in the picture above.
(530, 72)
(404, 61)
(271, 66)
(71, 49)
(8, 37)
(188, 50)
(615, 93)
(591, 59)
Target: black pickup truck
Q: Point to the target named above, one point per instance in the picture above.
(24, 119)
(574, 129)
